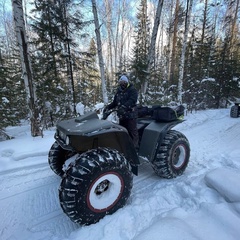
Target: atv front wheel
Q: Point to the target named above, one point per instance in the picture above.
(98, 183)
(57, 156)
(172, 156)
(234, 111)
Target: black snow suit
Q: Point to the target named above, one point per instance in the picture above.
(125, 100)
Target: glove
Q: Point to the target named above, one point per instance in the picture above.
(105, 109)
(105, 113)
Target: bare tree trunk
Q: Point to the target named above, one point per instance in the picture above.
(182, 61)
(169, 39)
(203, 37)
(174, 43)
(109, 25)
(234, 23)
(69, 60)
(153, 42)
(99, 48)
(116, 38)
(26, 67)
(121, 56)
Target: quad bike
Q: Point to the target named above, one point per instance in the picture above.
(99, 178)
(235, 110)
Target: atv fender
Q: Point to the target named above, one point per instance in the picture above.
(92, 133)
(152, 136)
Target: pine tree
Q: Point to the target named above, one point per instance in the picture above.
(225, 64)
(49, 61)
(12, 93)
(89, 84)
(56, 24)
(8, 92)
(201, 86)
(139, 61)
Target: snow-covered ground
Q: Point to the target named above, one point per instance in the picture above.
(203, 203)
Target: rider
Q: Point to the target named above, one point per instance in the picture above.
(125, 100)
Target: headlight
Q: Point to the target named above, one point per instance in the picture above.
(62, 135)
(67, 140)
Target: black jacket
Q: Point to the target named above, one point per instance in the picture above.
(126, 100)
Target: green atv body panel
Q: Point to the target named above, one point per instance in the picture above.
(89, 132)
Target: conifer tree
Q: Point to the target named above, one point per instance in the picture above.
(228, 66)
(201, 55)
(56, 24)
(141, 48)
(12, 93)
(89, 84)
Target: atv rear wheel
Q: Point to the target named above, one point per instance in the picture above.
(57, 156)
(172, 156)
(234, 112)
(98, 183)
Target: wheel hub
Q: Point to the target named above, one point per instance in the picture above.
(105, 191)
(179, 156)
(102, 187)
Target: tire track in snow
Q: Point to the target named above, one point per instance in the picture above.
(221, 135)
(32, 202)
(28, 179)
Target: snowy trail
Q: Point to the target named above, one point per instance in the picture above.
(30, 209)
(215, 143)
(34, 196)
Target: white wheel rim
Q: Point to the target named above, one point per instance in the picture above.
(100, 201)
(181, 158)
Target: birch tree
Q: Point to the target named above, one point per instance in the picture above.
(108, 6)
(122, 14)
(152, 47)
(99, 50)
(26, 66)
(182, 60)
(174, 43)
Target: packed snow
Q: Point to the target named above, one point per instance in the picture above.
(203, 203)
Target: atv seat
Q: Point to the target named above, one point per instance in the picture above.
(140, 126)
(142, 123)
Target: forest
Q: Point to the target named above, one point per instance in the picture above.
(55, 54)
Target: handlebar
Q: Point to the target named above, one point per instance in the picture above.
(107, 113)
